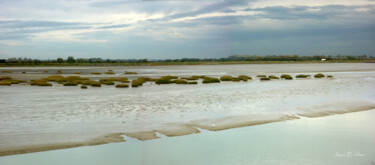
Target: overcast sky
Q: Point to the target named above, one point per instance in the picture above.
(158, 29)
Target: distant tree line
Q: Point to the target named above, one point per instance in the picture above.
(72, 60)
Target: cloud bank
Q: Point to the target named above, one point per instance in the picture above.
(174, 29)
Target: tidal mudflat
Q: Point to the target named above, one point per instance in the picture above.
(345, 139)
(39, 118)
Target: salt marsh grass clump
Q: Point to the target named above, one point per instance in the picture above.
(191, 78)
(262, 75)
(96, 73)
(9, 79)
(319, 75)
(109, 72)
(145, 79)
(286, 77)
(86, 82)
(226, 78)
(192, 82)
(244, 77)
(5, 82)
(107, 79)
(59, 72)
(273, 77)
(264, 79)
(15, 81)
(169, 77)
(130, 72)
(208, 80)
(163, 81)
(302, 76)
(70, 84)
(329, 76)
(75, 78)
(180, 81)
(83, 87)
(5, 78)
(7, 71)
(137, 82)
(95, 84)
(108, 83)
(23, 72)
(40, 82)
(235, 79)
(122, 86)
(123, 80)
(55, 78)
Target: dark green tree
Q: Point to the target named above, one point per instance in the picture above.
(60, 60)
(71, 59)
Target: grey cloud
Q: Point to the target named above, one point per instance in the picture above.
(303, 12)
(114, 26)
(25, 29)
(223, 6)
(40, 24)
(104, 4)
(345, 33)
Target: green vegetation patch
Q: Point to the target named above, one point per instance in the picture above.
(137, 82)
(108, 83)
(226, 78)
(5, 78)
(15, 81)
(59, 72)
(109, 72)
(319, 75)
(180, 81)
(96, 73)
(236, 79)
(302, 76)
(75, 78)
(83, 87)
(130, 72)
(169, 77)
(244, 77)
(273, 77)
(192, 82)
(264, 79)
(86, 82)
(163, 81)
(122, 86)
(191, 78)
(55, 78)
(95, 84)
(5, 82)
(70, 84)
(286, 77)
(40, 82)
(208, 80)
(330, 76)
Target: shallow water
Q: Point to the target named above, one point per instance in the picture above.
(335, 140)
(31, 116)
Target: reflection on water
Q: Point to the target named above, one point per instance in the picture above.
(335, 140)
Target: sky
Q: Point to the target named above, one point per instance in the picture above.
(162, 29)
